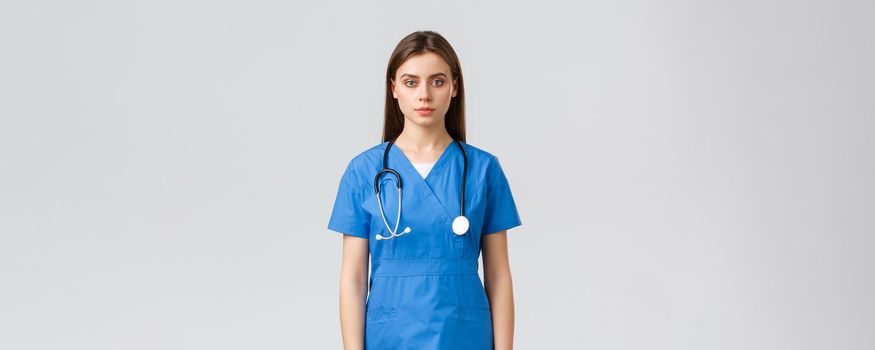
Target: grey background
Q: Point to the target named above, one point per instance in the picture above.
(690, 175)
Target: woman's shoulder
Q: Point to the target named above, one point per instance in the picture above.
(369, 156)
(363, 161)
(485, 163)
(479, 152)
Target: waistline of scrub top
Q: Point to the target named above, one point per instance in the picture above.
(424, 267)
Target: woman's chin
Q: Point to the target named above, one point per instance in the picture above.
(427, 121)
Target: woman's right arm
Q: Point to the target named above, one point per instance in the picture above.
(353, 292)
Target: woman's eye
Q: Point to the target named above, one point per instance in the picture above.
(409, 83)
(438, 82)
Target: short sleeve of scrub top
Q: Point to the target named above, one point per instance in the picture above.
(348, 216)
(501, 211)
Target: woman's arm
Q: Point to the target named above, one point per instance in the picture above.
(353, 292)
(499, 288)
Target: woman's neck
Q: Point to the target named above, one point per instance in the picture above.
(421, 145)
(420, 140)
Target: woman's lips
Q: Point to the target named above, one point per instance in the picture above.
(424, 111)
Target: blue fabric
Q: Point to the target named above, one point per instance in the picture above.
(424, 290)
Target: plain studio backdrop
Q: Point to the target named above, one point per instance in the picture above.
(690, 175)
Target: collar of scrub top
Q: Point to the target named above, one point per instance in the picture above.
(460, 223)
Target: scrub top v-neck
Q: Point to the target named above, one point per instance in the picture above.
(410, 165)
(424, 288)
(423, 168)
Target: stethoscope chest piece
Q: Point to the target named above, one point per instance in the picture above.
(460, 225)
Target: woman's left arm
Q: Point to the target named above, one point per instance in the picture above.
(499, 288)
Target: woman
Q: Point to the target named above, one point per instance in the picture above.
(424, 291)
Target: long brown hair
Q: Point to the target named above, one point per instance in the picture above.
(415, 43)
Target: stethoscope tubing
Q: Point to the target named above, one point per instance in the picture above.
(398, 182)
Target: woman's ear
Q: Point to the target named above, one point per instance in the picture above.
(455, 86)
(392, 86)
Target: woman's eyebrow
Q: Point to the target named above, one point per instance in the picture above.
(414, 76)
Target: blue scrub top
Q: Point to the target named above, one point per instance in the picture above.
(424, 290)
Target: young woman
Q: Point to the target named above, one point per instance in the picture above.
(424, 291)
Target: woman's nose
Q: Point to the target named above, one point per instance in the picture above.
(424, 94)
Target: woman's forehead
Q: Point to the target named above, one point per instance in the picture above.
(424, 65)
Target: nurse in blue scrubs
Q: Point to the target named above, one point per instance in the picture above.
(423, 290)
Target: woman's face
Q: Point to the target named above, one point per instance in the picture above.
(423, 81)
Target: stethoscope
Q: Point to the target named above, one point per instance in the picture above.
(460, 224)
